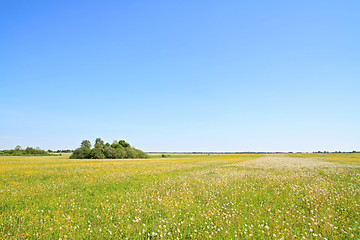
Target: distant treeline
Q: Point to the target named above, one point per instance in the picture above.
(60, 151)
(335, 152)
(29, 151)
(116, 150)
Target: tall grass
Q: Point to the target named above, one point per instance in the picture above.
(332, 157)
(212, 196)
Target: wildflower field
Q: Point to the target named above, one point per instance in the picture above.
(274, 196)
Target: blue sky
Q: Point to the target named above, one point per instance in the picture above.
(181, 75)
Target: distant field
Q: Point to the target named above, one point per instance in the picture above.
(331, 157)
(311, 196)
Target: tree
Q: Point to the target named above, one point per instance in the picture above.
(81, 152)
(117, 150)
(30, 150)
(97, 153)
(99, 143)
(109, 152)
(140, 154)
(120, 153)
(115, 144)
(86, 143)
(18, 147)
(124, 144)
(130, 153)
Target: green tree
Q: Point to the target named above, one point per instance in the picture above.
(141, 154)
(110, 152)
(97, 153)
(117, 150)
(86, 143)
(130, 153)
(29, 150)
(124, 144)
(99, 143)
(115, 144)
(81, 152)
(120, 153)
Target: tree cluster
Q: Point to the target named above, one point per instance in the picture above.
(60, 151)
(29, 151)
(116, 150)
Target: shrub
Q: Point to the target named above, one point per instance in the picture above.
(81, 152)
(117, 150)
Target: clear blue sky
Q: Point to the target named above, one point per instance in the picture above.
(181, 75)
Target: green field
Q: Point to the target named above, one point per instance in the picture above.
(274, 196)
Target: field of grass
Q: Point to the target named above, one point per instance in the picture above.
(181, 197)
(331, 157)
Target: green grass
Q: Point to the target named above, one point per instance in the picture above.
(331, 157)
(184, 155)
(185, 197)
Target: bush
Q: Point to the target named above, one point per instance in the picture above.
(97, 153)
(81, 152)
(117, 150)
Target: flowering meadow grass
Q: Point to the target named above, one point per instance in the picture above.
(332, 157)
(184, 197)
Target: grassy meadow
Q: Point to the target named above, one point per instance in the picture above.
(351, 158)
(274, 196)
